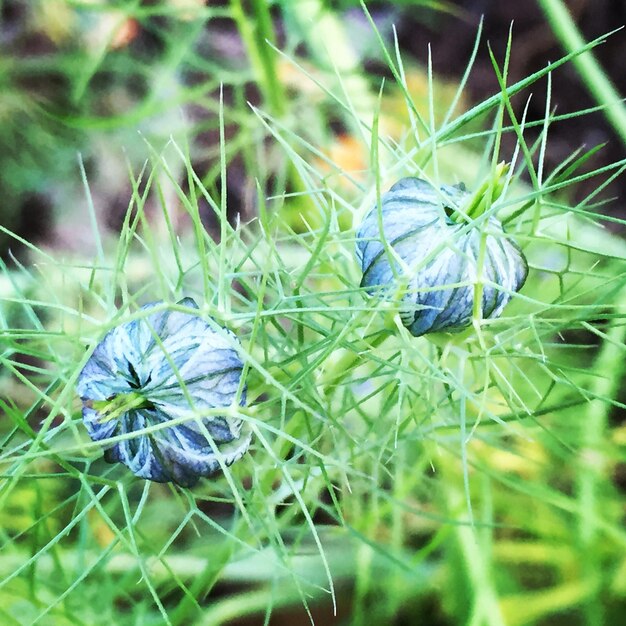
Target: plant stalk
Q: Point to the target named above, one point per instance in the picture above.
(594, 77)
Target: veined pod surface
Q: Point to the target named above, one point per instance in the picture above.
(434, 260)
(169, 365)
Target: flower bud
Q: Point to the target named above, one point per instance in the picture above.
(421, 246)
(145, 373)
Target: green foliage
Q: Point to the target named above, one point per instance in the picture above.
(388, 475)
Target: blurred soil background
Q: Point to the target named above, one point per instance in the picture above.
(52, 109)
(534, 46)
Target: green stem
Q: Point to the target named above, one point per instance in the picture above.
(342, 367)
(187, 610)
(595, 79)
(610, 362)
(474, 552)
(482, 199)
(257, 35)
(332, 48)
(486, 609)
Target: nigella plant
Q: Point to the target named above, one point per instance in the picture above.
(169, 366)
(429, 245)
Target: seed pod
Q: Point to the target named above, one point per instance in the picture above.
(434, 260)
(169, 365)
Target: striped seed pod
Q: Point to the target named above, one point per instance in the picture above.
(422, 247)
(169, 367)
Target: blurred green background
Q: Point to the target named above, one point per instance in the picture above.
(98, 78)
(90, 90)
